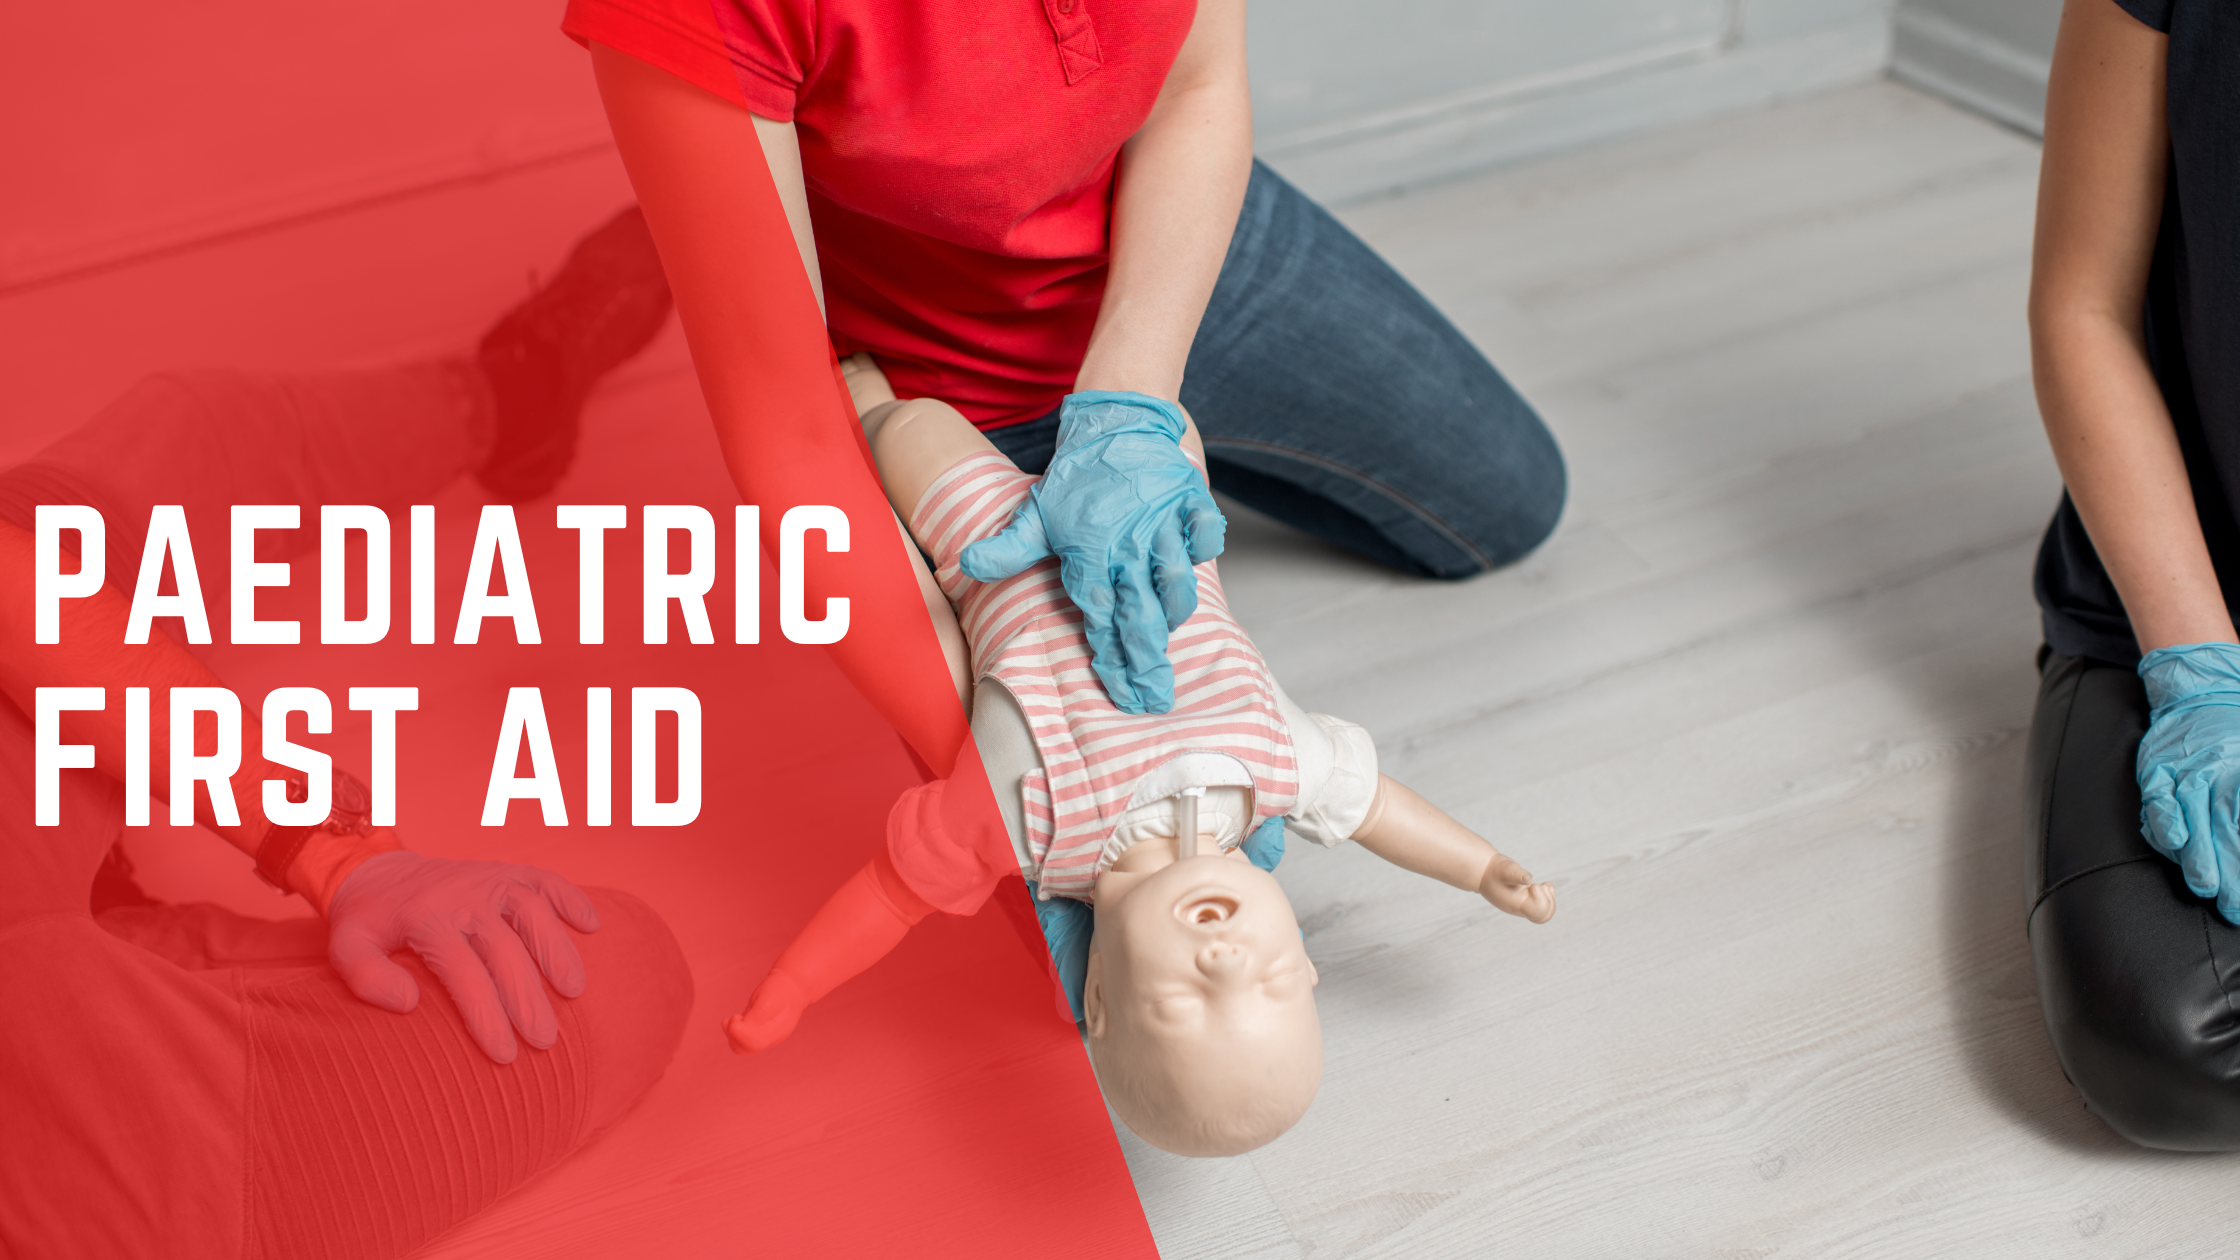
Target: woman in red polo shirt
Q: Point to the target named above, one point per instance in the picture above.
(1047, 213)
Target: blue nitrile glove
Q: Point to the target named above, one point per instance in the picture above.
(1066, 926)
(1127, 515)
(1264, 847)
(2189, 766)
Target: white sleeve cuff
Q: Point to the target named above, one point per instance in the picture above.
(1330, 812)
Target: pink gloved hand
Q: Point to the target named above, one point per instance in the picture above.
(478, 926)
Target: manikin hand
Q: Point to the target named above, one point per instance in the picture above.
(2189, 766)
(1127, 515)
(484, 928)
(772, 1013)
(1510, 888)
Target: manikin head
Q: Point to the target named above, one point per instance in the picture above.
(1200, 1001)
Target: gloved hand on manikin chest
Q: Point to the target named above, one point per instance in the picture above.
(1127, 515)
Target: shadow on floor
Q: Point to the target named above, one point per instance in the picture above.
(1989, 983)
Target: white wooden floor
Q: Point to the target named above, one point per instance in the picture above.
(1757, 709)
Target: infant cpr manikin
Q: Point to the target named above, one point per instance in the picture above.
(1197, 997)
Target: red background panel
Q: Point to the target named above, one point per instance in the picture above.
(264, 186)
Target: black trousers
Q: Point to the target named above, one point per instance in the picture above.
(2139, 979)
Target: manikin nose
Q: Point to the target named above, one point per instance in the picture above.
(1222, 961)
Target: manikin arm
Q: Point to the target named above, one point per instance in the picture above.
(857, 927)
(1409, 831)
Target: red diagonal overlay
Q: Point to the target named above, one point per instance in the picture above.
(936, 1103)
(248, 201)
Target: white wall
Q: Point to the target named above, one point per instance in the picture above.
(173, 127)
(137, 130)
(1990, 55)
(1354, 97)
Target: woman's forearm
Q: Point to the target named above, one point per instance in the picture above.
(735, 243)
(2119, 456)
(2099, 209)
(1181, 182)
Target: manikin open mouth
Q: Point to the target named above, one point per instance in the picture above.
(1207, 906)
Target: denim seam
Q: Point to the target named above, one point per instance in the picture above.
(1361, 479)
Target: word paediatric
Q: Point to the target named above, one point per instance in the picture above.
(497, 550)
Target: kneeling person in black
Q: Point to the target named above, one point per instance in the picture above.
(2133, 847)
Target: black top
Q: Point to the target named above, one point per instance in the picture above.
(2192, 328)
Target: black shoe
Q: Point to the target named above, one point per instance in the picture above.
(542, 359)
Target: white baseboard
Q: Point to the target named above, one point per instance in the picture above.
(1401, 148)
(1971, 69)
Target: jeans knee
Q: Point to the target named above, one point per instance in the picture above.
(1539, 505)
(1524, 515)
(637, 996)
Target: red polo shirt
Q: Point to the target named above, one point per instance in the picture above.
(959, 156)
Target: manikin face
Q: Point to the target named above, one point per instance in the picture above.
(1200, 981)
(1200, 940)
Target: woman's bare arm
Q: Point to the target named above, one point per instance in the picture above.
(2099, 206)
(724, 196)
(1182, 181)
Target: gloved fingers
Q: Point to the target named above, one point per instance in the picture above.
(1142, 627)
(2198, 860)
(574, 904)
(1112, 671)
(466, 977)
(532, 917)
(2224, 843)
(1204, 525)
(520, 988)
(1014, 549)
(1173, 578)
(1091, 591)
(365, 966)
(2160, 819)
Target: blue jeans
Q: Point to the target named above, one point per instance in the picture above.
(1332, 396)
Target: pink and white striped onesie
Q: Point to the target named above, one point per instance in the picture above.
(1027, 635)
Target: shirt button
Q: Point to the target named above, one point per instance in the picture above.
(1065, 6)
